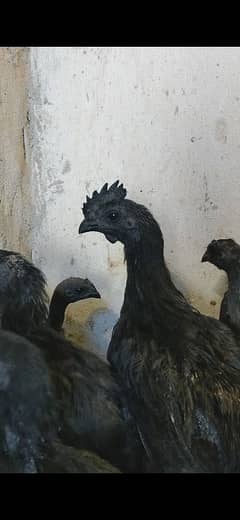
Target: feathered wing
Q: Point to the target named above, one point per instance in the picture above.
(186, 408)
(28, 410)
(91, 401)
(67, 459)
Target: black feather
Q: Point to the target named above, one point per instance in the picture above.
(29, 416)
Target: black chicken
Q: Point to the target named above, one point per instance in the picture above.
(180, 370)
(68, 291)
(225, 254)
(91, 411)
(29, 416)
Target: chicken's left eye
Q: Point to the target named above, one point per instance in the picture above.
(113, 215)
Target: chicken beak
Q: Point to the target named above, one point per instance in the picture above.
(92, 291)
(205, 257)
(85, 227)
(94, 294)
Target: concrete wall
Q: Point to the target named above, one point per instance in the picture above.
(165, 121)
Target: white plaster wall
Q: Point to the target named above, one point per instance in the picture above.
(166, 122)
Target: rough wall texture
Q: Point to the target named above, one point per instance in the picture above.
(15, 194)
(165, 121)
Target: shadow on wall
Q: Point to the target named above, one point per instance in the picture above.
(99, 329)
(89, 323)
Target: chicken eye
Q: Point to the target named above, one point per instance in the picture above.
(113, 216)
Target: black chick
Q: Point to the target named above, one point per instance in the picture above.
(68, 291)
(225, 254)
(180, 370)
(92, 414)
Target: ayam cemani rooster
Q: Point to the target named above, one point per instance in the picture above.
(179, 369)
(85, 409)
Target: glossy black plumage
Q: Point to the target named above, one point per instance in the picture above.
(180, 370)
(87, 401)
(28, 412)
(23, 297)
(60, 458)
(29, 416)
